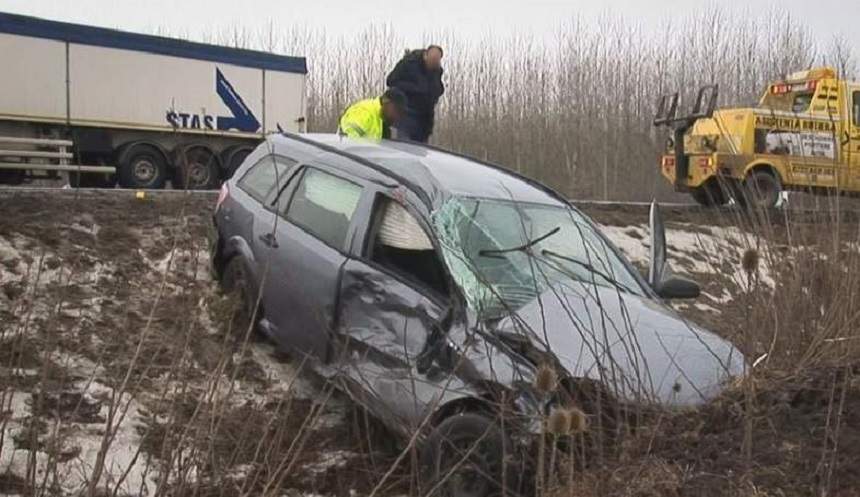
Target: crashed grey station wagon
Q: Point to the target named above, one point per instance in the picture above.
(433, 288)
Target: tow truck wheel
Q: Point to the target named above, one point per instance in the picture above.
(196, 169)
(710, 194)
(467, 455)
(762, 190)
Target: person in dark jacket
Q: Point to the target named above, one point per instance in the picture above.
(419, 76)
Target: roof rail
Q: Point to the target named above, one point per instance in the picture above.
(537, 184)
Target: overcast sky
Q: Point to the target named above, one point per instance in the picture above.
(824, 17)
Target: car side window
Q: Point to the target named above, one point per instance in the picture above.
(324, 204)
(399, 243)
(263, 178)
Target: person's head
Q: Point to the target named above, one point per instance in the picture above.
(393, 105)
(433, 57)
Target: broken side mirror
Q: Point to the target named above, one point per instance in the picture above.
(660, 278)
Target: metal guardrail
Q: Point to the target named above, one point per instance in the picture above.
(102, 191)
(56, 167)
(60, 153)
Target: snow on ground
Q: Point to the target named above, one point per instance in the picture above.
(33, 276)
(701, 253)
(78, 445)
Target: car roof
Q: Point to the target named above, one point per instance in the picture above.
(436, 173)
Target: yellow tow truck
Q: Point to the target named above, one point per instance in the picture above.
(804, 135)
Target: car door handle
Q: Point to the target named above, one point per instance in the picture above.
(269, 239)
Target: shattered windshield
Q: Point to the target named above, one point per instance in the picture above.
(503, 254)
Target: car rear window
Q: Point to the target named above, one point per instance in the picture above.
(262, 177)
(324, 204)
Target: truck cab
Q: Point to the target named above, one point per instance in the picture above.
(803, 135)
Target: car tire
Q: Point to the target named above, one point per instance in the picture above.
(469, 455)
(196, 169)
(762, 190)
(235, 284)
(143, 167)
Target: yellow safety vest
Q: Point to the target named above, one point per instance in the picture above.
(363, 120)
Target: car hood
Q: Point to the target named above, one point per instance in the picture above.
(639, 348)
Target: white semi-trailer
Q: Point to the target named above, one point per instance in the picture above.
(107, 106)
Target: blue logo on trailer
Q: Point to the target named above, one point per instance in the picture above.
(241, 120)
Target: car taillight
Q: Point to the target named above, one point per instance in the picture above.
(222, 196)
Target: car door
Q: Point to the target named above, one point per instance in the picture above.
(310, 236)
(393, 297)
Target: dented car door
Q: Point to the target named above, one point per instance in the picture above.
(387, 316)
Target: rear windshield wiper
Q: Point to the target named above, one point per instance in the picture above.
(590, 268)
(519, 248)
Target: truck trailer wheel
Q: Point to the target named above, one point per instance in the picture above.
(762, 189)
(231, 159)
(196, 169)
(142, 167)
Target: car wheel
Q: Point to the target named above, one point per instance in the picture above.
(143, 167)
(468, 455)
(762, 189)
(196, 169)
(235, 283)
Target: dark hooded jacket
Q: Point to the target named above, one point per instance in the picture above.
(422, 87)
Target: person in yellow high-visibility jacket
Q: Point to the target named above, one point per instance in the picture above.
(372, 118)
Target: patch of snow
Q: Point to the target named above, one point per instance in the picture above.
(85, 440)
(329, 460)
(635, 248)
(695, 251)
(285, 376)
(92, 230)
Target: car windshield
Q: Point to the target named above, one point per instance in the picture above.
(503, 254)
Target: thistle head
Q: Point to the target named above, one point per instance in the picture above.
(546, 379)
(558, 422)
(750, 260)
(578, 420)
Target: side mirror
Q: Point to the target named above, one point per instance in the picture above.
(657, 266)
(667, 285)
(675, 287)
